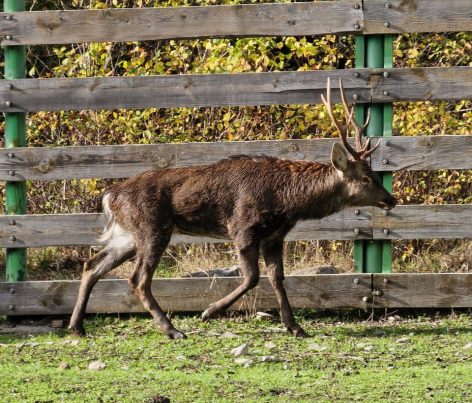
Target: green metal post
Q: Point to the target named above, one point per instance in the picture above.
(360, 114)
(375, 51)
(15, 136)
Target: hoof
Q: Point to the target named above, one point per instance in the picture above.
(299, 332)
(175, 334)
(211, 313)
(207, 315)
(78, 331)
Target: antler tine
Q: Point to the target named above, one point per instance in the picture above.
(367, 153)
(348, 112)
(362, 150)
(329, 107)
(343, 130)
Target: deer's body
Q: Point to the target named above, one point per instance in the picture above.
(254, 200)
(261, 194)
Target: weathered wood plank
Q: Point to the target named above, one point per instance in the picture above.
(417, 16)
(138, 24)
(423, 290)
(296, 87)
(194, 294)
(324, 291)
(422, 84)
(403, 222)
(52, 163)
(327, 17)
(420, 222)
(424, 152)
(83, 229)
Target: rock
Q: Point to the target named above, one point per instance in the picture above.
(316, 270)
(403, 340)
(391, 319)
(180, 357)
(246, 362)
(241, 350)
(228, 335)
(264, 315)
(232, 271)
(57, 324)
(270, 358)
(270, 345)
(96, 365)
(64, 365)
(468, 346)
(316, 347)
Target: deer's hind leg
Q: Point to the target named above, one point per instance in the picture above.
(248, 254)
(273, 257)
(149, 253)
(94, 269)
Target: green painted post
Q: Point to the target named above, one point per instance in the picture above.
(360, 114)
(15, 136)
(387, 177)
(375, 51)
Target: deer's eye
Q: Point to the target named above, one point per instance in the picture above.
(366, 180)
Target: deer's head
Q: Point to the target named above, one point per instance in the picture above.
(364, 187)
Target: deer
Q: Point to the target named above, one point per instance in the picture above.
(253, 200)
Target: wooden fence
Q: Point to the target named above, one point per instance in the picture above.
(363, 85)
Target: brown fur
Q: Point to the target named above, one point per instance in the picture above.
(255, 201)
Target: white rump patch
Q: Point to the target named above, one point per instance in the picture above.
(114, 235)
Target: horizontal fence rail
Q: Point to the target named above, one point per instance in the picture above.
(327, 17)
(197, 90)
(83, 229)
(137, 24)
(403, 222)
(323, 291)
(410, 16)
(122, 161)
(178, 90)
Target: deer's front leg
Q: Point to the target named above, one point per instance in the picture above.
(273, 257)
(248, 257)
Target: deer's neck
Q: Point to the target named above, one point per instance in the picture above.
(316, 191)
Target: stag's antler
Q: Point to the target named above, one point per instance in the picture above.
(362, 151)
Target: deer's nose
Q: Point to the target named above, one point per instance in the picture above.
(388, 203)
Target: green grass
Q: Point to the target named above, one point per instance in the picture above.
(347, 359)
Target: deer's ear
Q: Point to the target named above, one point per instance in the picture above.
(339, 157)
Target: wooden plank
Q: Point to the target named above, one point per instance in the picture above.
(417, 16)
(181, 295)
(422, 84)
(403, 222)
(83, 229)
(424, 152)
(423, 222)
(128, 160)
(190, 90)
(195, 90)
(423, 290)
(52, 163)
(139, 24)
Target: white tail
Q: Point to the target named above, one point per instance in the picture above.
(114, 235)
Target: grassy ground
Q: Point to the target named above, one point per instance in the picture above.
(423, 358)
